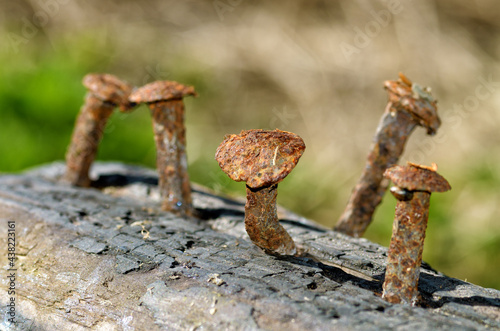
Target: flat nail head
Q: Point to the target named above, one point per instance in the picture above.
(161, 91)
(413, 177)
(259, 157)
(110, 89)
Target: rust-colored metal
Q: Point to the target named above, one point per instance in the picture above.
(409, 105)
(164, 99)
(105, 92)
(261, 221)
(262, 159)
(414, 184)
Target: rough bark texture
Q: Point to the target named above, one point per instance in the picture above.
(112, 260)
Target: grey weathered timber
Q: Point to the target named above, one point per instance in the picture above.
(108, 258)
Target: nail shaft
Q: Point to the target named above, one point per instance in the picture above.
(171, 159)
(89, 128)
(164, 99)
(392, 133)
(405, 250)
(261, 221)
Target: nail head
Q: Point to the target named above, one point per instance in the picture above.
(414, 177)
(259, 157)
(109, 88)
(161, 91)
(416, 100)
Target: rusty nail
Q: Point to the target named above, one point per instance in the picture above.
(164, 99)
(262, 159)
(409, 105)
(413, 186)
(105, 92)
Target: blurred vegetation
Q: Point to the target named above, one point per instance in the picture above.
(259, 64)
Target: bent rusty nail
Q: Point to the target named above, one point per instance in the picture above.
(409, 105)
(105, 92)
(262, 159)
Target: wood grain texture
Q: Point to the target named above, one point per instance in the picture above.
(111, 259)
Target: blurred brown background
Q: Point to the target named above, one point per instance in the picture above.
(315, 68)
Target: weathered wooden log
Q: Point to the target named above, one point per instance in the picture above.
(110, 259)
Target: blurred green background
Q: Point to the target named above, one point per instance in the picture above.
(315, 68)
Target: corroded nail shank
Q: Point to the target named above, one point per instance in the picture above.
(413, 187)
(164, 99)
(409, 105)
(105, 92)
(262, 159)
